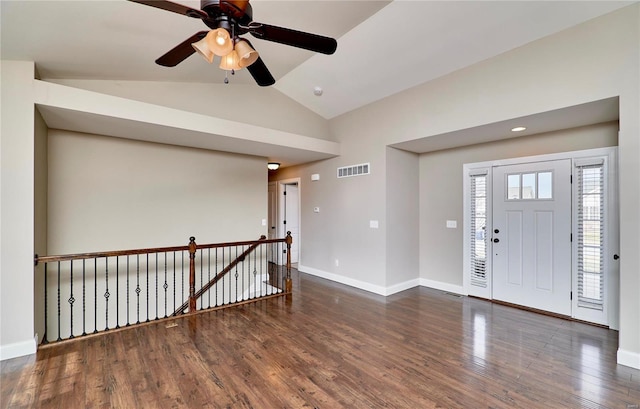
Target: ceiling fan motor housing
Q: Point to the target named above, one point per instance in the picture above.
(224, 14)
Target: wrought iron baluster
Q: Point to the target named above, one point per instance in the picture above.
(117, 292)
(138, 289)
(182, 262)
(147, 288)
(209, 276)
(95, 295)
(84, 298)
(45, 339)
(201, 279)
(71, 300)
(216, 285)
(128, 289)
(156, 274)
(59, 338)
(165, 285)
(106, 294)
(174, 281)
(236, 267)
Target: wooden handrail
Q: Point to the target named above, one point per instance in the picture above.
(102, 254)
(193, 295)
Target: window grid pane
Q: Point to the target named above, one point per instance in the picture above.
(591, 236)
(530, 186)
(478, 229)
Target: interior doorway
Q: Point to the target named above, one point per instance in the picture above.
(289, 214)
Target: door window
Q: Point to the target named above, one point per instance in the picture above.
(530, 186)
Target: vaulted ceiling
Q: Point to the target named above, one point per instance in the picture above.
(383, 47)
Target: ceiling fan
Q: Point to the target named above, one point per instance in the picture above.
(228, 20)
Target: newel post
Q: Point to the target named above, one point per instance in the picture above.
(288, 284)
(192, 274)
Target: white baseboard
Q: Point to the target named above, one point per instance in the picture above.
(362, 285)
(18, 349)
(396, 288)
(380, 290)
(439, 285)
(628, 358)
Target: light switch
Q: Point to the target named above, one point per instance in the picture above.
(264, 222)
(373, 224)
(316, 210)
(315, 176)
(452, 224)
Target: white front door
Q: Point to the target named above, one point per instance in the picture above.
(531, 235)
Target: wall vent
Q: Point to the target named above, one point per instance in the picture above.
(354, 170)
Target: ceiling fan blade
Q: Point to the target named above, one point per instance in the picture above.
(260, 73)
(174, 7)
(294, 38)
(180, 52)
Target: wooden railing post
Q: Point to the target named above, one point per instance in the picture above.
(288, 284)
(192, 274)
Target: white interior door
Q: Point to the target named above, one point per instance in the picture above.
(272, 205)
(531, 235)
(291, 219)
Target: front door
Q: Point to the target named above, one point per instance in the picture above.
(531, 236)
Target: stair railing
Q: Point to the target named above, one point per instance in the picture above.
(102, 291)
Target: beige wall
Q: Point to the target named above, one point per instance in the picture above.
(17, 212)
(595, 60)
(40, 216)
(261, 106)
(441, 190)
(592, 61)
(109, 194)
(403, 209)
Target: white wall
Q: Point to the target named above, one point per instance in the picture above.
(17, 213)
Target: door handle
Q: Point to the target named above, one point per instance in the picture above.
(496, 240)
(615, 256)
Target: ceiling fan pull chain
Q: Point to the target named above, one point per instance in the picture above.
(226, 78)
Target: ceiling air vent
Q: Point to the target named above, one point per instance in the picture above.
(354, 170)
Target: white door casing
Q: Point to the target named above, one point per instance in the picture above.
(292, 211)
(292, 218)
(272, 208)
(481, 173)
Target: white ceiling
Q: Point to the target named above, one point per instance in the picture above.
(383, 47)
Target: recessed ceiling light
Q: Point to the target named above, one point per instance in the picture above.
(518, 129)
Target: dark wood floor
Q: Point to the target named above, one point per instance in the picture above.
(335, 347)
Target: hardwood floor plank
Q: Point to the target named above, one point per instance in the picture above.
(333, 346)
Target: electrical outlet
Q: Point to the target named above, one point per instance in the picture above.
(337, 263)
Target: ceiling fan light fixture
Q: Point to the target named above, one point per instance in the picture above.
(203, 49)
(246, 54)
(219, 41)
(230, 61)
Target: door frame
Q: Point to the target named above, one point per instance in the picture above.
(611, 244)
(280, 203)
